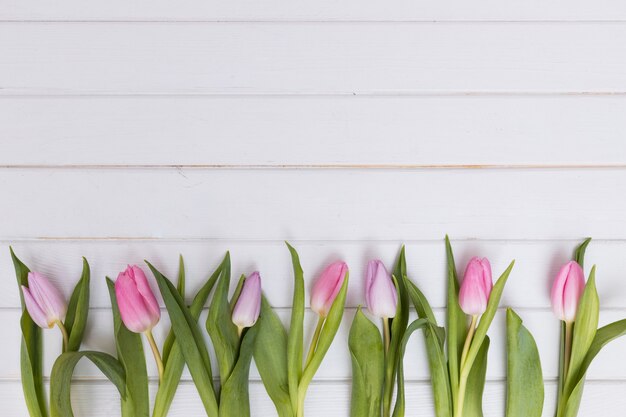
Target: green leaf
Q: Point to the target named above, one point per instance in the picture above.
(434, 338)
(189, 338)
(220, 326)
(130, 354)
(473, 406)
(487, 317)
(78, 310)
(180, 286)
(398, 326)
(234, 397)
(366, 351)
(398, 410)
(295, 339)
(31, 350)
(524, 377)
(61, 378)
(270, 357)
(585, 328)
(176, 360)
(579, 253)
(456, 322)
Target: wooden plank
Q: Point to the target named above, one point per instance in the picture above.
(543, 325)
(99, 399)
(278, 131)
(312, 58)
(313, 204)
(282, 10)
(537, 263)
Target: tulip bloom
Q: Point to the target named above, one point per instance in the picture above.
(45, 304)
(567, 289)
(138, 307)
(327, 287)
(248, 306)
(380, 292)
(476, 287)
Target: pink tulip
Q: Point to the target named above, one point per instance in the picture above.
(380, 292)
(327, 287)
(476, 287)
(138, 308)
(44, 302)
(248, 306)
(567, 289)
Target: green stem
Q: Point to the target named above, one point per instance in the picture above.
(386, 334)
(155, 352)
(313, 346)
(568, 349)
(66, 339)
(465, 368)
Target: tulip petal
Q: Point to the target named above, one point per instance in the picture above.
(248, 306)
(146, 292)
(133, 310)
(327, 287)
(33, 309)
(47, 297)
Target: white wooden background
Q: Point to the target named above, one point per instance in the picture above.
(144, 129)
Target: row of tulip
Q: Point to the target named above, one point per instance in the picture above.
(245, 327)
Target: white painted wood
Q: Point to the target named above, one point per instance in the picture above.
(537, 263)
(312, 204)
(99, 399)
(337, 366)
(326, 10)
(312, 58)
(397, 131)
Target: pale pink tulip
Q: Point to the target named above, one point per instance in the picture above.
(327, 287)
(44, 302)
(248, 306)
(567, 289)
(138, 307)
(380, 292)
(476, 287)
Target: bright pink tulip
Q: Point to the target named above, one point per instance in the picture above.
(380, 292)
(138, 308)
(44, 302)
(248, 306)
(476, 287)
(327, 287)
(567, 289)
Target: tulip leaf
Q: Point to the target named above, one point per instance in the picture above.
(473, 406)
(456, 322)
(585, 328)
(131, 356)
(579, 253)
(487, 316)
(189, 338)
(61, 378)
(366, 351)
(31, 350)
(434, 338)
(331, 325)
(398, 326)
(221, 328)
(603, 336)
(234, 397)
(270, 357)
(176, 361)
(398, 410)
(525, 392)
(180, 286)
(295, 339)
(78, 310)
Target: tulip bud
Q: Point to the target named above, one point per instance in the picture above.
(248, 306)
(327, 287)
(380, 292)
(476, 287)
(567, 289)
(139, 309)
(44, 302)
